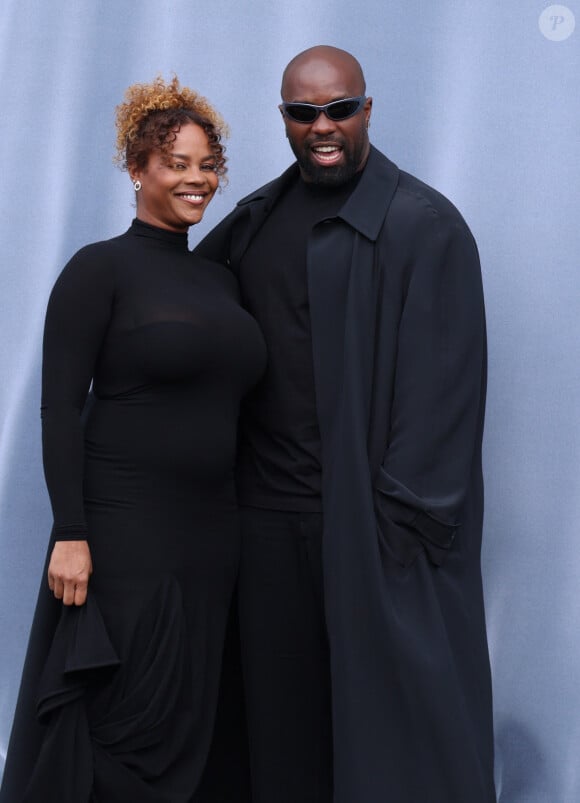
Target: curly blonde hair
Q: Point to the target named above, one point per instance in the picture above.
(152, 115)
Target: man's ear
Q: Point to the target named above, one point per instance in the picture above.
(368, 109)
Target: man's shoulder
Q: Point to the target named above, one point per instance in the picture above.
(410, 193)
(272, 188)
(262, 192)
(415, 196)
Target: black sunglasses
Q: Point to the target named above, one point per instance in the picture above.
(336, 110)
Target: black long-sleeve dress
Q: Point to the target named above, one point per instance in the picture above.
(126, 686)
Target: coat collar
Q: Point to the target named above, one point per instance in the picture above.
(365, 209)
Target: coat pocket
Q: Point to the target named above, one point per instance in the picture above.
(406, 527)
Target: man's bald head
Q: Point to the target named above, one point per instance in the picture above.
(330, 142)
(319, 61)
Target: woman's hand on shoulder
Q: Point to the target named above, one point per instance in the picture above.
(69, 570)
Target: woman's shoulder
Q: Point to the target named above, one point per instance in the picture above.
(100, 249)
(100, 254)
(93, 267)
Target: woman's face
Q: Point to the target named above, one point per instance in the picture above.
(176, 187)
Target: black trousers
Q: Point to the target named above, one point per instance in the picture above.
(285, 658)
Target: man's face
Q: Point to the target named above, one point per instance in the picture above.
(328, 151)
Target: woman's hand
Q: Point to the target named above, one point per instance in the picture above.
(69, 570)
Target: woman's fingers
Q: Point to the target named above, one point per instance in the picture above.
(68, 596)
(69, 570)
(80, 594)
(57, 588)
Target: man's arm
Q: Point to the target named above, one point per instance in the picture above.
(439, 396)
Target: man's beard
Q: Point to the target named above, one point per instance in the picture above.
(333, 175)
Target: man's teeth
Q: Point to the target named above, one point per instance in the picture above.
(327, 153)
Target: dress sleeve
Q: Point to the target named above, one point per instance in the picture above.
(78, 314)
(431, 461)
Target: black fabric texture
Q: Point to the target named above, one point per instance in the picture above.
(279, 455)
(285, 656)
(399, 363)
(126, 687)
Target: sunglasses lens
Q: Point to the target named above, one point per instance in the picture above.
(343, 109)
(301, 112)
(336, 110)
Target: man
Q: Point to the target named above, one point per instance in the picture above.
(363, 635)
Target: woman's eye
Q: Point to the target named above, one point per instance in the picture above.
(178, 166)
(209, 166)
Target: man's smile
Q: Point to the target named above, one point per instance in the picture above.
(327, 153)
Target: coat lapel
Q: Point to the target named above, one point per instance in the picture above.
(343, 285)
(366, 208)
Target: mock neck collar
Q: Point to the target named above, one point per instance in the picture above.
(171, 239)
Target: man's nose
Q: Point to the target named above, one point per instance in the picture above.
(323, 124)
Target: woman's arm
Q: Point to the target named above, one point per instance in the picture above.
(78, 314)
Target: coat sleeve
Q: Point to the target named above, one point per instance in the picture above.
(432, 462)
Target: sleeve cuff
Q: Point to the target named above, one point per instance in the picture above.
(70, 532)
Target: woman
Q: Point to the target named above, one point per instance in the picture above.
(124, 677)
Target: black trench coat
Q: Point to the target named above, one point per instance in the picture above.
(398, 339)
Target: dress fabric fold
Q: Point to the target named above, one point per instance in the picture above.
(121, 723)
(119, 697)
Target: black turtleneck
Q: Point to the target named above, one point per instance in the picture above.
(279, 456)
(161, 335)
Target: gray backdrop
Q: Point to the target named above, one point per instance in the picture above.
(476, 98)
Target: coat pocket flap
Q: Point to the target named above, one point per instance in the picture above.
(407, 525)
